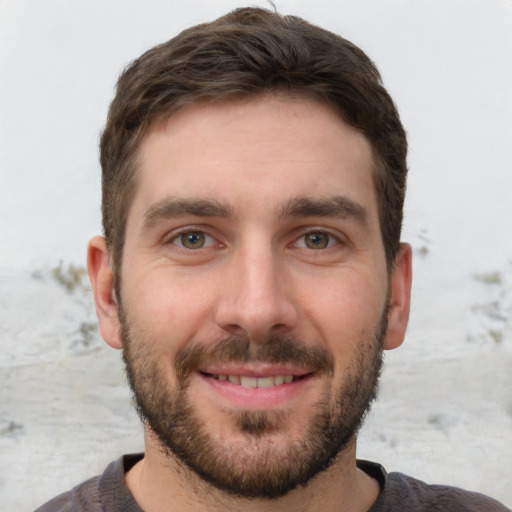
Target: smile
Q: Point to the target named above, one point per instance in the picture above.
(257, 382)
(251, 388)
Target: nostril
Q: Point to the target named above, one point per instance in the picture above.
(255, 312)
(234, 329)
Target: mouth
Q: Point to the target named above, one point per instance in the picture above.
(251, 388)
(247, 381)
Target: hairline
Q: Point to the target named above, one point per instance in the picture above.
(132, 162)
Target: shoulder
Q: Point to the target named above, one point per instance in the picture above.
(402, 492)
(82, 498)
(104, 493)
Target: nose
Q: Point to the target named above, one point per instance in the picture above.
(256, 299)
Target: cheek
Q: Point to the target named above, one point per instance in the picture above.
(346, 313)
(166, 310)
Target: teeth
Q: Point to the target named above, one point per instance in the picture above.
(279, 380)
(255, 382)
(249, 382)
(266, 382)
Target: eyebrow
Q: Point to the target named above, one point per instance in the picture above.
(170, 208)
(337, 206)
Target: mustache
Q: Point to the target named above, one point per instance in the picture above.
(274, 350)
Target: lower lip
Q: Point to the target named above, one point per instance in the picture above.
(255, 398)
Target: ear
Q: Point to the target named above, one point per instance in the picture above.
(400, 298)
(102, 281)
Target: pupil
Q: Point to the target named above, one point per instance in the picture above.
(193, 240)
(317, 240)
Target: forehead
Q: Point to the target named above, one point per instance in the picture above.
(256, 153)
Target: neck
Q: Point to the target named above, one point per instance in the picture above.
(160, 483)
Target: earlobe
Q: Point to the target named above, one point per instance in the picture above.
(400, 298)
(102, 281)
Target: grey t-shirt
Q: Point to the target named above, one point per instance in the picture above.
(109, 493)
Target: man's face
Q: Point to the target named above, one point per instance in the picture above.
(254, 290)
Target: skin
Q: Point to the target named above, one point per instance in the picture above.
(255, 276)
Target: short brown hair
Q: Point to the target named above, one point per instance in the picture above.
(245, 53)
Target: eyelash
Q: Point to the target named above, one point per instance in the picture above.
(177, 239)
(332, 240)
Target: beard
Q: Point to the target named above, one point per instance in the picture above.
(257, 466)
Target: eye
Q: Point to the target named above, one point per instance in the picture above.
(316, 240)
(193, 240)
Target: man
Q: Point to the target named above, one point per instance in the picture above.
(252, 273)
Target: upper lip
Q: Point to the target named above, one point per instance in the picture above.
(254, 370)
